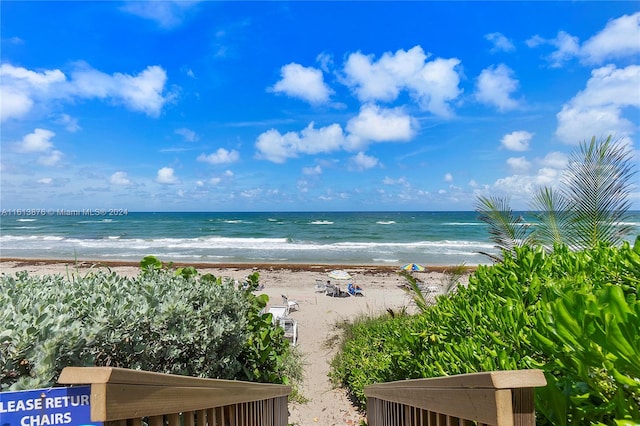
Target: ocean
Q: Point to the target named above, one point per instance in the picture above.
(343, 238)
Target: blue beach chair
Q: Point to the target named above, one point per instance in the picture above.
(354, 290)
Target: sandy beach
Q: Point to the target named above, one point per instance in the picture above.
(316, 317)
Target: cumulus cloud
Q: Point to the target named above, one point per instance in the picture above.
(312, 171)
(361, 161)
(188, 134)
(618, 39)
(305, 83)
(495, 86)
(448, 177)
(37, 141)
(120, 179)
(432, 84)
(518, 164)
(375, 124)
(555, 160)
(566, 45)
(70, 123)
(500, 42)
(221, 156)
(598, 109)
(21, 89)
(166, 176)
(517, 141)
(276, 147)
(51, 158)
(400, 181)
(167, 14)
(142, 92)
(372, 125)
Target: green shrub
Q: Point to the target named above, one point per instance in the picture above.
(575, 315)
(179, 323)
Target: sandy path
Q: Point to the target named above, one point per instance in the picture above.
(316, 317)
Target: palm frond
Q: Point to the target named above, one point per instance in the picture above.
(552, 212)
(506, 230)
(597, 185)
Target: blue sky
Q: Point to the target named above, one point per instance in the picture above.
(296, 106)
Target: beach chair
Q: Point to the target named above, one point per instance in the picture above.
(332, 290)
(290, 327)
(278, 311)
(354, 291)
(321, 286)
(291, 304)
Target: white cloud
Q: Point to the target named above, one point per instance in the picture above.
(167, 14)
(500, 42)
(598, 109)
(142, 92)
(620, 38)
(325, 60)
(431, 84)
(221, 156)
(166, 176)
(305, 83)
(276, 147)
(312, 171)
(38, 141)
(22, 89)
(494, 87)
(517, 141)
(375, 124)
(51, 158)
(45, 181)
(120, 179)
(567, 47)
(188, 134)
(372, 125)
(555, 160)
(518, 164)
(361, 161)
(70, 123)
(448, 177)
(400, 181)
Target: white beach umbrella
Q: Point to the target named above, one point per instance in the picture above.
(339, 274)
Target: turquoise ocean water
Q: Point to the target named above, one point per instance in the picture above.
(367, 238)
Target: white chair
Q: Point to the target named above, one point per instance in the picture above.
(278, 311)
(291, 304)
(321, 286)
(332, 290)
(290, 327)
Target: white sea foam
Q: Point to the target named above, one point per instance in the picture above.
(26, 220)
(322, 222)
(386, 222)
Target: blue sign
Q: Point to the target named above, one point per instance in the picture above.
(47, 407)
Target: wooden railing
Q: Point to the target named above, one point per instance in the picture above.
(502, 398)
(122, 397)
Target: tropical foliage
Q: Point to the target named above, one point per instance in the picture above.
(161, 320)
(589, 206)
(575, 315)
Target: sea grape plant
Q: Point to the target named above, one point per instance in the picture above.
(160, 320)
(575, 315)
